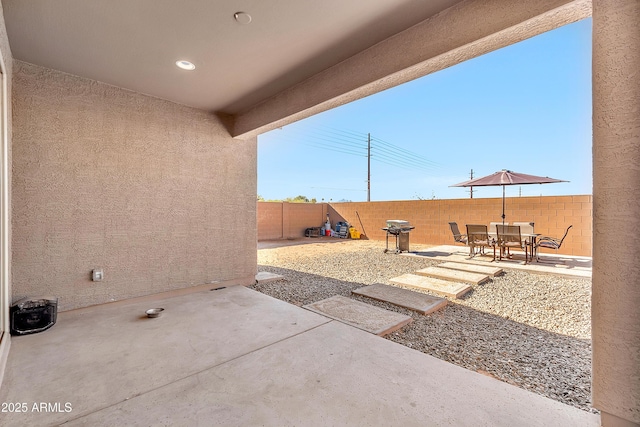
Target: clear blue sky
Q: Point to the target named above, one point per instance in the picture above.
(526, 108)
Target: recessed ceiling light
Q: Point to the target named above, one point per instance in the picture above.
(186, 65)
(242, 17)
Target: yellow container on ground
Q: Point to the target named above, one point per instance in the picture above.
(355, 234)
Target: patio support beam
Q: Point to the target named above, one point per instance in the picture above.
(469, 29)
(616, 207)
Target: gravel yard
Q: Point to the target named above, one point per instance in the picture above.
(529, 330)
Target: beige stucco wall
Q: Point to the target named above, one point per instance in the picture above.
(157, 194)
(616, 210)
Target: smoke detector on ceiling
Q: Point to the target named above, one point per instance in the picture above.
(242, 17)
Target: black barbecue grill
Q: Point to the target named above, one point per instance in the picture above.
(400, 229)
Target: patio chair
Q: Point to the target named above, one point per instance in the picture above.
(525, 228)
(509, 237)
(457, 236)
(551, 242)
(477, 236)
(492, 229)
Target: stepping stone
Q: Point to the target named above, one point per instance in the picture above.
(360, 315)
(474, 268)
(416, 301)
(453, 275)
(438, 286)
(266, 277)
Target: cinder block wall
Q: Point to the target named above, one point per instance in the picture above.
(283, 220)
(270, 221)
(157, 194)
(551, 215)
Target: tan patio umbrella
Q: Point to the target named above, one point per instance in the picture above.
(504, 178)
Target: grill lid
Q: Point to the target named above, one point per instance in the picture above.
(398, 223)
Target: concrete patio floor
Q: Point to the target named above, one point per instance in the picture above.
(236, 357)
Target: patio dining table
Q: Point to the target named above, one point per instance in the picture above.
(530, 239)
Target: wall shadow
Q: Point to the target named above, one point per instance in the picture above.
(335, 216)
(550, 364)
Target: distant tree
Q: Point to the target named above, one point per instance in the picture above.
(297, 199)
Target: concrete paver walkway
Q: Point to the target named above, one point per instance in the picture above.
(265, 277)
(453, 275)
(238, 357)
(485, 269)
(437, 286)
(416, 301)
(375, 320)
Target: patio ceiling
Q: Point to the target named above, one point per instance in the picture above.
(134, 44)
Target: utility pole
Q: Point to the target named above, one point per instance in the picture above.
(471, 188)
(368, 167)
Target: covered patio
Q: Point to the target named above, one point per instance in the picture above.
(113, 159)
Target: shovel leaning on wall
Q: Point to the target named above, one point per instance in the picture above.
(363, 235)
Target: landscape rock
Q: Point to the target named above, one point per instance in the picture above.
(529, 330)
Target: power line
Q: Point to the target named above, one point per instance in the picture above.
(354, 144)
(325, 146)
(408, 159)
(379, 150)
(334, 141)
(392, 162)
(345, 132)
(402, 160)
(333, 149)
(386, 150)
(406, 152)
(341, 134)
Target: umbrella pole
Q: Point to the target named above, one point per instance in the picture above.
(503, 205)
